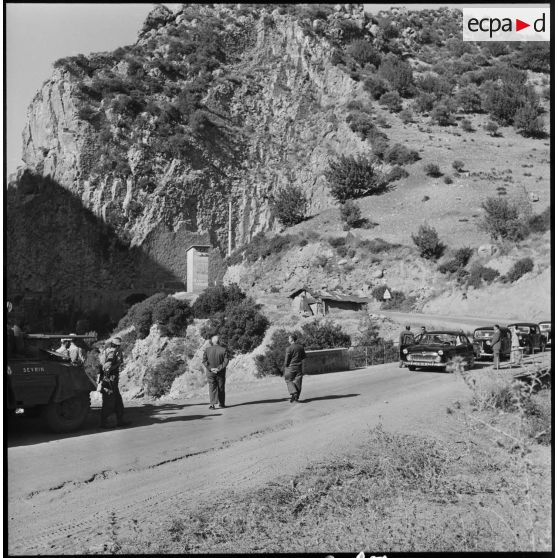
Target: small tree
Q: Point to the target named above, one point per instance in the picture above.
(528, 122)
(375, 86)
(351, 178)
(397, 72)
(364, 53)
(391, 100)
(469, 98)
(467, 125)
(406, 116)
(272, 361)
(175, 315)
(324, 335)
(458, 165)
(432, 169)
(351, 214)
(428, 242)
(502, 220)
(215, 299)
(289, 205)
(519, 269)
(492, 128)
(442, 114)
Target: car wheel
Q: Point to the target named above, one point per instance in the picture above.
(67, 415)
(412, 368)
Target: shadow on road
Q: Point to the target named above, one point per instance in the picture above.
(260, 402)
(24, 431)
(327, 397)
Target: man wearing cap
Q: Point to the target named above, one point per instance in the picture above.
(110, 361)
(75, 352)
(215, 361)
(63, 350)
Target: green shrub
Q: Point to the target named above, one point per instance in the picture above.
(336, 241)
(158, 379)
(364, 53)
(540, 223)
(351, 214)
(502, 220)
(351, 178)
(492, 128)
(432, 169)
(397, 72)
(362, 124)
(519, 269)
(398, 301)
(378, 292)
(458, 165)
(442, 113)
(501, 100)
(324, 334)
(241, 326)
(289, 205)
(375, 86)
(448, 180)
(428, 242)
(396, 173)
(391, 100)
(459, 261)
(215, 299)
(424, 102)
(400, 155)
(140, 315)
(479, 274)
(272, 361)
(528, 121)
(467, 125)
(175, 315)
(406, 116)
(469, 98)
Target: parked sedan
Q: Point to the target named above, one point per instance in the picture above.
(546, 331)
(437, 349)
(530, 337)
(482, 342)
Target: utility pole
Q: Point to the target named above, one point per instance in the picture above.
(230, 227)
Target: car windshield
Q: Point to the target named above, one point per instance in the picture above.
(545, 327)
(483, 333)
(522, 329)
(438, 339)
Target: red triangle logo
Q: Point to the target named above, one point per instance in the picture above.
(519, 25)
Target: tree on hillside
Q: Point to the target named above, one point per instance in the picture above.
(289, 205)
(502, 220)
(428, 242)
(353, 178)
(528, 121)
(398, 73)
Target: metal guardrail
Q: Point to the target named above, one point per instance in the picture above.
(379, 353)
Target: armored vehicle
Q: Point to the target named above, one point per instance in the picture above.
(43, 382)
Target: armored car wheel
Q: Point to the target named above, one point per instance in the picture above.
(67, 415)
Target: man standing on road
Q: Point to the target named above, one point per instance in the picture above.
(293, 367)
(111, 361)
(215, 361)
(496, 346)
(406, 338)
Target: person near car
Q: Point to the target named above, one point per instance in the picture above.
(421, 335)
(294, 356)
(75, 353)
(406, 338)
(215, 361)
(64, 349)
(111, 360)
(496, 343)
(516, 353)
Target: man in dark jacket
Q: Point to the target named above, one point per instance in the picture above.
(215, 361)
(406, 338)
(496, 346)
(293, 367)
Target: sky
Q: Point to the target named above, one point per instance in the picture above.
(39, 34)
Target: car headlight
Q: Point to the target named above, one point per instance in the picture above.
(405, 351)
(440, 352)
(408, 357)
(438, 359)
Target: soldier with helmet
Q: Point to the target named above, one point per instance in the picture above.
(111, 361)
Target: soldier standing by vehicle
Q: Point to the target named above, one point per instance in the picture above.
(496, 346)
(75, 353)
(294, 356)
(111, 360)
(406, 338)
(215, 361)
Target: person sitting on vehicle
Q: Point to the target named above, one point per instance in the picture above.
(75, 352)
(63, 350)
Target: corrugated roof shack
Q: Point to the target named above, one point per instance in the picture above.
(314, 303)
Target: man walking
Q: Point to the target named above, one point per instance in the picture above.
(111, 361)
(215, 361)
(406, 338)
(294, 356)
(496, 343)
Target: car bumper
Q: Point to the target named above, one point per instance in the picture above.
(425, 364)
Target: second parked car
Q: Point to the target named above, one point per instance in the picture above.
(530, 337)
(546, 332)
(482, 342)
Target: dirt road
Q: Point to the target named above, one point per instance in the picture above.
(66, 493)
